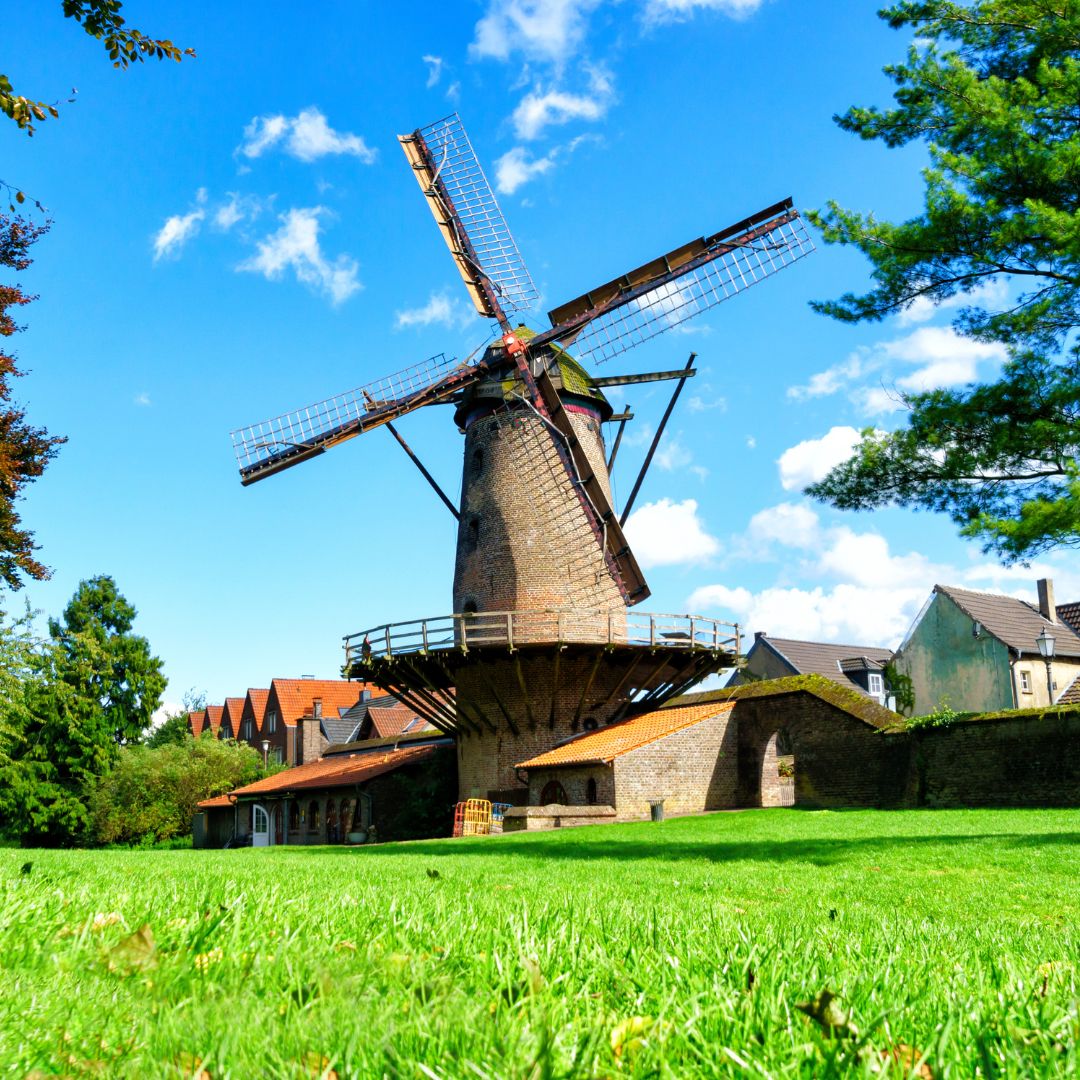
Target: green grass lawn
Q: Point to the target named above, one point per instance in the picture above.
(676, 950)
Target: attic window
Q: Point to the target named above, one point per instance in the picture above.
(877, 683)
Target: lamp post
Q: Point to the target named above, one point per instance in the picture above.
(1047, 643)
(266, 746)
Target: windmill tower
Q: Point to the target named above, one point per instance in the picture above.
(543, 641)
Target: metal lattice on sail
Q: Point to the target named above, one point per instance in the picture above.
(473, 202)
(629, 314)
(268, 447)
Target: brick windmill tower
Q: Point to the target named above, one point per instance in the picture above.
(544, 641)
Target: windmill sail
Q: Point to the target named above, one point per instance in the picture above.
(268, 447)
(670, 290)
(469, 218)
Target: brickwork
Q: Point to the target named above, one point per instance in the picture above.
(310, 741)
(575, 782)
(691, 770)
(524, 540)
(1019, 761)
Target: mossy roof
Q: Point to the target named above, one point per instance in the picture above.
(1039, 712)
(850, 701)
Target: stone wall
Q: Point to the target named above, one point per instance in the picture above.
(1011, 761)
(575, 783)
(692, 770)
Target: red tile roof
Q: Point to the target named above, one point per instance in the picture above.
(258, 699)
(338, 771)
(607, 743)
(296, 697)
(388, 720)
(213, 717)
(234, 709)
(197, 721)
(215, 803)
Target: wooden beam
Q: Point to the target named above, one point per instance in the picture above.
(648, 376)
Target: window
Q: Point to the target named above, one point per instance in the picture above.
(247, 729)
(278, 755)
(294, 816)
(316, 708)
(472, 534)
(1025, 682)
(477, 461)
(877, 684)
(590, 791)
(553, 793)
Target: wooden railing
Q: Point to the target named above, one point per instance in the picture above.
(513, 628)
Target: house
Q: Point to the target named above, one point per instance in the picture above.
(857, 667)
(253, 714)
(196, 722)
(349, 797)
(801, 740)
(376, 715)
(291, 699)
(213, 719)
(980, 651)
(231, 718)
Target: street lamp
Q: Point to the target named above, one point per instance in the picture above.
(266, 742)
(1047, 643)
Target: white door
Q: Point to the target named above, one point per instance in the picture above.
(260, 827)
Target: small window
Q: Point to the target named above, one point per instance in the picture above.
(472, 534)
(294, 816)
(1025, 682)
(278, 755)
(477, 461)
(590, 791)
(877, 684)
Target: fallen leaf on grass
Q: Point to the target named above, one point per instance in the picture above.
(136, 952)
(630, 1036)
(190, 1067)
(104, 919)
(345, 946)
(317, 1066)
(906, 1057)
(827, 1011)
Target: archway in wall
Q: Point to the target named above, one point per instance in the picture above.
(777, 783)
(553, 792)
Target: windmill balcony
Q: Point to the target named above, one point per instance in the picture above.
(513, 629)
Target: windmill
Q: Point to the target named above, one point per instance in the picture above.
(541, 641)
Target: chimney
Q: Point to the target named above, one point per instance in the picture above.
(1046, 599)
(759, 634)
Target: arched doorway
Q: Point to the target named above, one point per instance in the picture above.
(553, 792)
(260, 826)
(778, 770)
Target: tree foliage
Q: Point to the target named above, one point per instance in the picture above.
(176, 726)
(102, 20)
(94, 686)
(151, 793)
(993, 89)
(24, 450)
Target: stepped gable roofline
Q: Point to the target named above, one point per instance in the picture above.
(233, 710)
(602, 746)
(342, 771)
(213, 717)
(1069, 614)
(821, 657)
(821, 686)
(296, 697)
(1014, 622)
(258, 697)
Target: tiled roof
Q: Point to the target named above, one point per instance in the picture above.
(197, 721)
(1069, 614)
(824, 658)
(425, 734)
(234, 708)
(611, 741)
(335, 772)
(388, 720)
(295, 697)
(338, 729)
(1072, 693)
(1014, 622)
(213, 717)
(258, 699)
(213, 804)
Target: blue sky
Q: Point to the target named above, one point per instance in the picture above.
(239, 235)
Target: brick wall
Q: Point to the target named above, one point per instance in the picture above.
(310, 741)
(575, 783)
(1019, 761)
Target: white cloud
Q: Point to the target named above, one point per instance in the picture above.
(439, 309)
(809, 461)
(831, 379)
(672, 455)
(515, 168)
(296, 246)
(850, 614)
(537, 111)
(945, 358)
(142, 398)
(306, 136)
(990, 294)
(238, 208)
(877, 400)
(435, 67)
(791, 524)
(550, 30)
(751, 442)
(666, 533)
(179, 229)
(864, 559)
(660, 11)
(698, 404)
